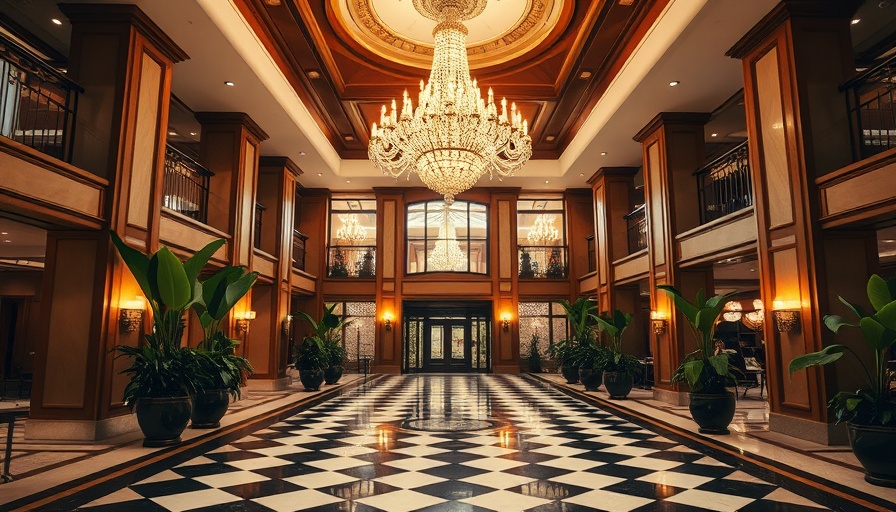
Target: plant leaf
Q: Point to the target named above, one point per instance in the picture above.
(835, 322)
(174, 288)
(692, 371)
(875, 333)
(887, 316)
(137, 263)
(878, 292)
(686, 308)
(719, 363)
(237, 289)
(855, 308)
(194, 265)
(827, 355)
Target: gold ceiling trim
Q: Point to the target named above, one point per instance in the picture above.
(359, 19)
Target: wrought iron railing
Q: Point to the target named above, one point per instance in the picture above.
(185, 186)
(37, 102)
(298, 249)
(351, 261)
(543, 261)
(724, 185)
(592, 254)
(869, 98)
(636, 225)
(259, 220)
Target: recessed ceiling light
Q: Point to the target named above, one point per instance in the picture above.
(673, 83)
(348, 181)
(5, 233)
(855, 21)
(581, 174)
(547, 181)
(886, 241)
(193, 133)
(7, 241)
(314, 75)
(301, 153)
(58, 22)
(172, 132)
(349, 137)
(752, 270)
(320, 174)
(549, 138)
(603, 153)
(714, 135)
(229, 83)
(584, 75)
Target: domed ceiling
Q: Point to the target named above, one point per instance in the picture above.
(347, 58)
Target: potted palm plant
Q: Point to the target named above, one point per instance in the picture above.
(619, 368)
(162, 379)
(870, 413)
(534, 358)
(311, 359)
(706, 373)
(581, 353)
(329, 332)
(224, 372)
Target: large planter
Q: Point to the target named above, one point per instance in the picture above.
(209, 407)
(874, 446)
(311, 379)
(332, 374)
(618, 384)
(712, 412)
(163, 420)
(590, 378)
(570, 373)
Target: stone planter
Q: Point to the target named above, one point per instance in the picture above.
(591, 379)
(618, 384)
(209, 407)
(163, 420)
(311, 379)
(712, 412)
(570, 373)
(332, 374)
(874, 446)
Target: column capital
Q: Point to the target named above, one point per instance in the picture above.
(625, 172)
(231, 119)
(791, 9)
(671, 119)
(113, 14)
(279, 162)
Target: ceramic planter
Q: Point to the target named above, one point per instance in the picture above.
(570, 373)
(209, 407)
(332, 374)
(712, 412)
(311, 379)
(163, 420)
(874, 446)
(618, 384)
(591, 379)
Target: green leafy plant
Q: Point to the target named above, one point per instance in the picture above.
(534, 354)
(615, 325)
(311, 354)
(335, 353)
(703, 371)
(339, 267)
(218, 367)
(329, 332)
(876, 404)
(582, 351)
(161, 367)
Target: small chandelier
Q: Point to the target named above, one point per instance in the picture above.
(454, 136)
(351, 231)
(732, 311)
(543, 231)
(446, 256)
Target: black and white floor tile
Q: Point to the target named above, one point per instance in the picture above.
(453, 443)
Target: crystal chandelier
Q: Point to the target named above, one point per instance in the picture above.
(732, 311)
(351, 231)
(446, 256)
(543, 231)
(454, 136)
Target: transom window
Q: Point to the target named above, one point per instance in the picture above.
(445, 238)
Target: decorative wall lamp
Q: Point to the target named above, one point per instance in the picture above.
(287, 325)
(387, 321)
(658, 321)
(242, 322)
(505, 321)
(130, 315)
(787, 315)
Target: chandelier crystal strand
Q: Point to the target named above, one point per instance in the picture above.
(351, 231)
(543, 231)
(454, 136)
(446, 255)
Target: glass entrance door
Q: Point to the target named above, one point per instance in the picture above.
(446, 337)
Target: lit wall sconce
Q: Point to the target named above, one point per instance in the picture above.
(242, 322)
(130, 315)
(658, 321)
(287, 325)
(787, 315)
(505, 321)
(387, 321)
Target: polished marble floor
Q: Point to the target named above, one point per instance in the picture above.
(453, 442)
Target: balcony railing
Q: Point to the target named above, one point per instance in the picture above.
(298, 249)
(351, 261)
(37, 102)
(542, 261)
(636, 225)
(185, 187)
(724, 185)
(256, 233)
(869, 98)
(592, 254)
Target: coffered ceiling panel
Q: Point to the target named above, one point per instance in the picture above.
(347, 58)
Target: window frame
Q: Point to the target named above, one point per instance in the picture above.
(426, 239)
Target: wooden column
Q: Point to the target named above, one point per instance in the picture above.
(794, 60)
(124, 61)
(390, 250)
(611, 189)
(579, 224)
(673, 148)
(505, 269)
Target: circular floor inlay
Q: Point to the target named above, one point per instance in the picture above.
(448, 425)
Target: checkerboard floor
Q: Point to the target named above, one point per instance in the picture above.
(453, 443)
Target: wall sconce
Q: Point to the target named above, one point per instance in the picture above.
(242, 323)
(286, 324)
(130, 315)
(787, 315)
(387, 321)
(505, 321)
(658, 321)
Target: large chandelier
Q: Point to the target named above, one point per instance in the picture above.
(543, 231)
(351, 231)
(454, 136)
(446, 256)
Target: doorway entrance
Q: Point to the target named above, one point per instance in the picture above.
(447, 337)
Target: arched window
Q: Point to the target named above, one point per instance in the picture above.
(447, 238)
